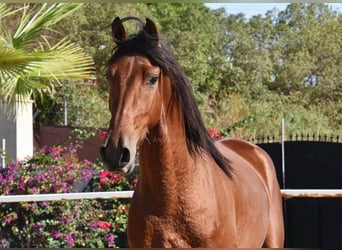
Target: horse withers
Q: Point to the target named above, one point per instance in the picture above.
(192, 191)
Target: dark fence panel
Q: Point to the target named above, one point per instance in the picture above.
(310, 223)
(313, 165)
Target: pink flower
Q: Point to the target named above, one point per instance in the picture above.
(102, 135)
(55, 234)
(115, 178)
(35, 190)
(44, 203)
(104, 173)
(134, 182)
(214, 133)
(69, 239)
(8, 220)
(110, 239)
(104, 224)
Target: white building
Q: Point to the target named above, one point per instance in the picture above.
(17, 130)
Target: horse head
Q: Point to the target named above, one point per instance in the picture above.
(134, 96)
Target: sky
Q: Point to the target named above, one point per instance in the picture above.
(252, 9)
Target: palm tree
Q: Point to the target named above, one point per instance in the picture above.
(32, 62)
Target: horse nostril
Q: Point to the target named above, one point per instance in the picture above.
(125, 157)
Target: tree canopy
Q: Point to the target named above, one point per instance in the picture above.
(246, 74)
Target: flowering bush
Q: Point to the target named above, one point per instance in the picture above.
(85, 223)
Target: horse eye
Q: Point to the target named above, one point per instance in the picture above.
(153, 80)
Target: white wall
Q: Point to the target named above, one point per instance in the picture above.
(17, 130)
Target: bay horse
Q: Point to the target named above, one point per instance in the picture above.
(192, 191)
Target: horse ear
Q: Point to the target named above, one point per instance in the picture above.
(118, 31)
(151, 29)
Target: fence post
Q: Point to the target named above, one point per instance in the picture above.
(65, 113)
(3, 153)
(283, 150)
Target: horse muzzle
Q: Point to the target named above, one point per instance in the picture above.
(117, 158)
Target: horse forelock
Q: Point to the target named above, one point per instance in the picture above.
(197, 136)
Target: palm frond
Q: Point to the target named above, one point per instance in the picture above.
(65, 61)
(23, 74)
(6, 11)
(28, 70)
(14, 61)
(31, 26)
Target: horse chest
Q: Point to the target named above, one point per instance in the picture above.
(183, 228)
(173, 232)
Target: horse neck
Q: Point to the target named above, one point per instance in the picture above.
(165, 163)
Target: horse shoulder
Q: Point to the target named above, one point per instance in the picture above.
(253, 154)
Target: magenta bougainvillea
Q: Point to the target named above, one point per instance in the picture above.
(57, 224)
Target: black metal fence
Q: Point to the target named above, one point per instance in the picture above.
(296, 137)
(310, 164)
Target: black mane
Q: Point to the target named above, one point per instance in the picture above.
(197, 136)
